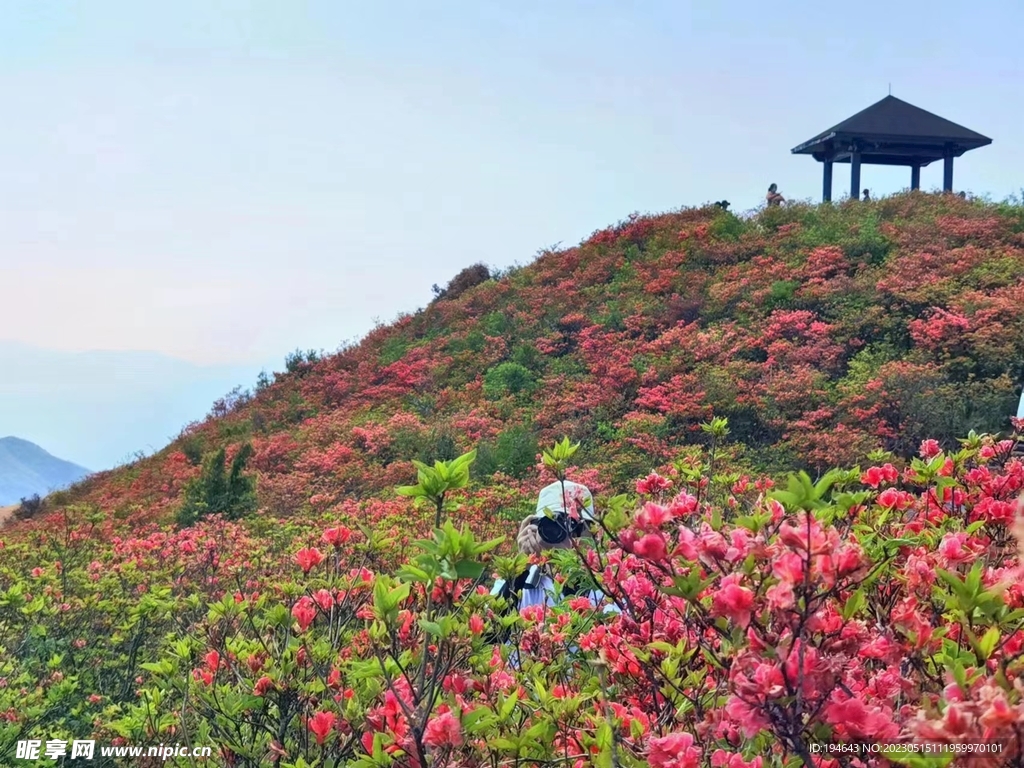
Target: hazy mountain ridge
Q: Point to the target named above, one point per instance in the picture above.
(27, 469)
(101, 407)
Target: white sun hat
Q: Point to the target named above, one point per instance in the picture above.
(576, 498)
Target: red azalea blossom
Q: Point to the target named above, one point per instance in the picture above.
(321, 724)
(308, 558)
(337, 536)
(304, 612)
(651, 546)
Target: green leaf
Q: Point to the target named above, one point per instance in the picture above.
(431, 627)
(467, 569)
(509, 705)
(988, 642)
(157, 667)
(960, 589)
(959, 675)
(856, 602)
(536, 731)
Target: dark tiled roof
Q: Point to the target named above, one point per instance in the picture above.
(892, 117)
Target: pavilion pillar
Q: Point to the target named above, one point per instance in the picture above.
(915, 177)
(947, 173)
(855, 175)
(826, 184)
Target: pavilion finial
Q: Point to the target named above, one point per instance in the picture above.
(890, 89)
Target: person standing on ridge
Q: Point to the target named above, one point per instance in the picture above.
(867, 196)
(774, 198)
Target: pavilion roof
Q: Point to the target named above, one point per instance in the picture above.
(894, 121)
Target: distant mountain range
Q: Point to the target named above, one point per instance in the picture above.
(26, 469)
(100, 407)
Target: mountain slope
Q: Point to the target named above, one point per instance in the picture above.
(821, 332)
(26, 469)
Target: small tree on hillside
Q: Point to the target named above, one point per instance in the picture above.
(462, 282)
(219, 490)
(30, 507)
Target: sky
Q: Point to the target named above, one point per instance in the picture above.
(222, 182)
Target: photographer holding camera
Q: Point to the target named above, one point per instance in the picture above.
(565, 512)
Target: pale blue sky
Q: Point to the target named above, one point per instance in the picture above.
(225, 181)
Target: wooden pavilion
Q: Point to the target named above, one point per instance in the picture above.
(891, 132)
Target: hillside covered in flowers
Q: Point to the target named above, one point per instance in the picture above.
(821, 333)
(797, 429)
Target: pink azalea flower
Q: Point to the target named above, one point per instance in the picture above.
(652, 484)
(673, 751)
(733, 601)
(324, 599)
(337, 536)
(651, 547)
(443, 731)
(653, 516)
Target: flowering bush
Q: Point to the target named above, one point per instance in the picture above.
(753, 624)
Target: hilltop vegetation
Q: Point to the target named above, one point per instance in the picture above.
(821, 333)
(269, 585)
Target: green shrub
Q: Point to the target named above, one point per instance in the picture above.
(468, 278)
(496, 324)
(219, 490)
(301, 362)
(513, 453)
(508, 378)
(192, 447)
(782, 292)
(727, 226)
(30, 507)
(527, 356)
(476, 340)
(393, 350)
(439, 445)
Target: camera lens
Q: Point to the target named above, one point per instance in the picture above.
(552, 531)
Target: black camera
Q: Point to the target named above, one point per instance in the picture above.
(555, 530)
